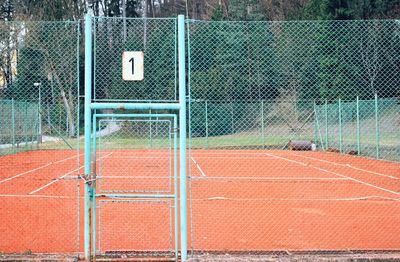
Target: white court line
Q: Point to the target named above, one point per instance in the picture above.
(349, 166)
(278, 178)
(338, 174)
(198, 167)
(141, 157)
(141, 177)
(39, 196)
(61, 177)
(361, 199)
(239, 157)
(224, 153)
(33, 170)
(372, 198)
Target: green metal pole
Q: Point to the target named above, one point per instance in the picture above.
(358, 126)
(317, 133)
(206, 124)
(25, 123)
(88, 117)
(67, 126)
(13, 124)
(182, 136)
(151, 135)
(340, 126)
(315, 124)
(93, 199)
(78, 184)
(377, 126)
(232, 116)
(262, 124)
(176, 187)
(40, 114)
(326, 125)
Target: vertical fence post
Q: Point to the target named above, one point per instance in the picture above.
(93, 198)
(40, 114)
(78, 149)
(206, 107)
(317, 128)
(182, 135)
(25, 124)
(326, 125)
(315, 123)
(151, 132)
(377, 126)
(13, 124)
(262, 124)
(88, 117)
(67, 126)
(176, 212)
(232, 116)
(340, 126)
(358, 126)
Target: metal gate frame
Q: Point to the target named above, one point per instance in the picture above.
(142, 197)
(90, 106)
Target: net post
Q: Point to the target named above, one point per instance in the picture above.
(87, 124)
(377, 126)
(358, 125)
(182, 134)
(340, 126)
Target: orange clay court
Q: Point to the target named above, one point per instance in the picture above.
(241, 200)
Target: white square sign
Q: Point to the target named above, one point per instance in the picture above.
(133, 66)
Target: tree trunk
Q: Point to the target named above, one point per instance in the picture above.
(68, 109)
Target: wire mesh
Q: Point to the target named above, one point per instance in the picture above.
(294, 134)
(142, 145)
(156, 38)
(293, 141)
(39, 127)
(131, 232)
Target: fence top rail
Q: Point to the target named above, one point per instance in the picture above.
(41, 22)
(134, 18)
(358, 21)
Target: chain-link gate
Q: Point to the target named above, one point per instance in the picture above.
(136, 184)
(131, 156)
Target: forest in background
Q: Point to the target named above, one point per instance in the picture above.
(278, 62)
(243, 10)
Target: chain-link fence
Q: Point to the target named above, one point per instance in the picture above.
(294, 136)
(293, 130)
(39, 131)
(17, 132)
(156, 38)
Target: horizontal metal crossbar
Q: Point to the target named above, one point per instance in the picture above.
(155, 106)
(136, 115)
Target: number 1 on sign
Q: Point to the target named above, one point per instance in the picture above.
(132, 60)
(133, 66)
